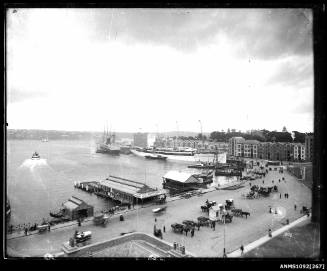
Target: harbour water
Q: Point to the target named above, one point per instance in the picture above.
(35, 187)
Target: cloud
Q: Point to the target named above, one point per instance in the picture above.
(261, 33)
(15, 95)
(297, 73)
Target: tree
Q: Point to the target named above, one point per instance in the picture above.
(284, 130)
(299, 137)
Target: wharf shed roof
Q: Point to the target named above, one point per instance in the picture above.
(182, 177)
(126, 181)
(70, 205)
(74, 203)
(121, 187)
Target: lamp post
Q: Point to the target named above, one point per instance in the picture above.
(224, 255)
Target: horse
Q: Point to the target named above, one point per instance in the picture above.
(246, 214)
(204, 208)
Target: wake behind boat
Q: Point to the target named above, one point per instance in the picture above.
(36, 156)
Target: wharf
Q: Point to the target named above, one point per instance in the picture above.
(206, 242)
(121, 190)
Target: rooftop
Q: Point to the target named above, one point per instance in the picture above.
(182, 177)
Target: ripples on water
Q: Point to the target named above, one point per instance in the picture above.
(36, 187)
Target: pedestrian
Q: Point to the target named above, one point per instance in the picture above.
(270, 210)
(48, 227)
(272, 181)
(242, 249)
(192, 232)
(280, 195)
(79, 222)
(25, 230)
(263, 181)
(285, 195)
(294, 207)
(164, 229)
(269, 233)
(155, 220)
(224, 255)
(279, 180)
(276, 211)
(198, 226)
(250, 184)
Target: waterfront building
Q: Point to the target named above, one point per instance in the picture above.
(201, 146)
(275, 151)
(180, 181)
(76, 208)
(309, 147)
(298, 152)
(128, 191)
(240, 147)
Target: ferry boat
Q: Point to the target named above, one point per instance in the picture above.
(182, 155)
(35, 156)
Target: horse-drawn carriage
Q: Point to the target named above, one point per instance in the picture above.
(81, 237)
(264, 191)
(190, 223)
(250, 195)
(208, 204)
(161, 200)
(100, 219)
(159, 210)
(227, 218)
(203, 221)
(158, 233)
(229, 204)
(237, 212)
(44, 227)
(176, 227)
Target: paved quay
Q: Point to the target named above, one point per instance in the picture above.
(206, 242)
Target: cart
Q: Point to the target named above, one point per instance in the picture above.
(101, 219)
(83, 236)
(43, 228)
(159, 210)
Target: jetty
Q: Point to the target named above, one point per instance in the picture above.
(121, 190)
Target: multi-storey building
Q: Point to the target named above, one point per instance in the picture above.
(309, 147)
(277, 151)
(298, 152)
(170, 142)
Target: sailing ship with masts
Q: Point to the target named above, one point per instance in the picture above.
(108, 144)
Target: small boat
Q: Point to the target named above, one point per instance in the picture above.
(44, 140)
(156, 157)
(158, 210)
(35, 156)
(57, 215)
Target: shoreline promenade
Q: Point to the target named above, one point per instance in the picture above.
(206, 242)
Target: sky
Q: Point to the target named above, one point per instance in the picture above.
(157, 70)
